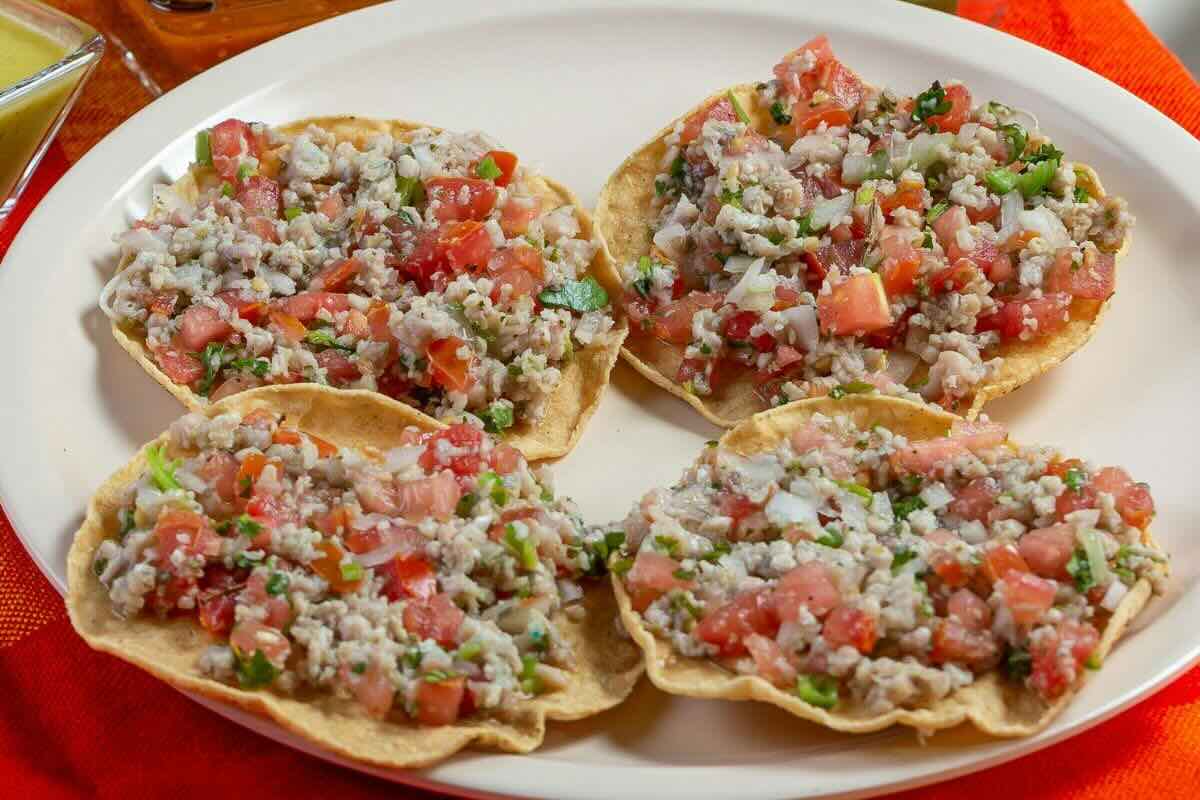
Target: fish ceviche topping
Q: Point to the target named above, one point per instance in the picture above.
(856, 567)
(871, 240)
(428, 268)
(423, 582)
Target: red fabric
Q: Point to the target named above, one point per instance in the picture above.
(75, 723)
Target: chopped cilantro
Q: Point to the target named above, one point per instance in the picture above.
(584, 295)
(832, 538)
(255, 671)
(1000, 180)
(731, 198)
(469, 651)
(125, 519)
(1080, 569)
(321, 337)
(645, 272)
(1094, 662)
(291, 212)
(359, 667)
(930, 103)
(677, 167)
(1046, 152)
(818, 690)
(1075, 479)
(804, 225)
(351, 570)
(411, 191)
(497, 417)
(98, 566)
(439, 675)
(719, 548)
(1018, 665)
(906, 505)
(212, 359)
(204, 148)
(1081, 195)
(778, 114)
(245, 171)
(161, 470)
(1016, 137)
(1035, 179)
(682, 603)
(864, 195)
(621, 566)
(258, 366)
(466, 504)
(492, 485)
(227, 189)
(667, 544)
(488, 170)
(248, 527)
(936, 211)
(855, 489)
(522, 547)
(900, 558)
(277, 584)
(684, 574)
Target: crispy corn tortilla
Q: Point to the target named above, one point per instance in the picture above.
(578, 393)
(624, 219)
(992, 704)
(608, 664)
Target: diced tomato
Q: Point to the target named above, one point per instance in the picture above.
(259, 195)
(188, 532)
(849, 625)
(407, 577)
(987, 213)
(408, 540)
(336, 276)
(436, 618)
(1052, 671)
(652, 576)
(737, 330)
(791, 70)
(1000, 560)
(253, 464)
(955, 641)
(506, 459)
(976, 499)
(1049, 313)
(970, 610)
(435, 496)
(856, 306)
(785, 296)
(901, 261)
(288, 326)
(953, 278)
(335, 521)
(373, 689)
(927, 457)
(1092, 279)
(505, 161)
(719, 109)
(736, 506)
(810, 585)
(338, 367)
(200, 325)
(161, 302)
(279, 610)
(1026, 595)
(244, 304)
(331, 206)
(960, 110)
(1133, 500)
(447, 367)
(946, 565)
(807, 118)
(911, 198)
(290, 436)
(459, 199)
(263, 228)
(355, 324)
(842, 83)
(462, 437)
(423, 261)
(329, 567)
(216, 613)
(947, 226)
(515, 283)
(770, 660)
(229, 141)
(1047, 550)
(466, 245)
(519, 256)
(164, 599)
(728, 626)
(518, 213)
(439, 703)
(249, 637)
(673, 322)
(220, 472)
(304, 306)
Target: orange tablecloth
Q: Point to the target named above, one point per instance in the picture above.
(74, 723)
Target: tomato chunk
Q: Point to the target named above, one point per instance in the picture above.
(506, 162)
(848, 625)
(438, 703)
(1047, 550)
(436, 618)
(459, 199)
(1034, 316)
(435, 496)
(407, 577)
(719, 109)
(190, 534)
(249, 637)
(259, 195)
(1133, 500)
(856, 306)
(336, 276)
(1026, 595)
(673, 322)
(770, 660)
(330, 566)
(728, 626)
(200, 325)
(652, 575)
(1002, 559)
(1094, 278)
(448, 367)
(229, 141)
(466, 245)
(810, 586)
(960, 110)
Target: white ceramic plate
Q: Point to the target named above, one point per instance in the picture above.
(574, 89)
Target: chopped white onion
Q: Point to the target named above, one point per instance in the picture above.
(900, 366)
(756, 289)
(1113, 597)
(785, 508)
(900, 151)
(803, 320)
(1011, 206)
(737, 265)
(106, 294)
(1044, 223)
(854, 168)
(672, 240)
(966, 134)
(380, 555)
(936, 496)
(927, 147)
(279, 283)
(828, 212)
(400, 458)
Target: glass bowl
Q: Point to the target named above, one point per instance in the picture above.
(33, 108)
